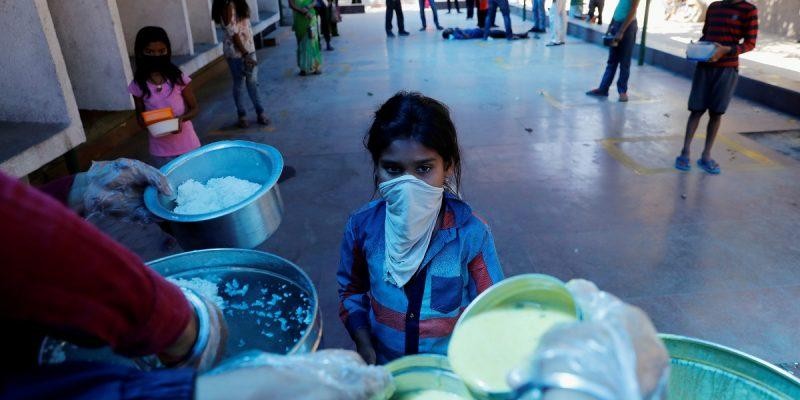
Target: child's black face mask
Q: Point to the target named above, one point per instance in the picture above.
(155, 63)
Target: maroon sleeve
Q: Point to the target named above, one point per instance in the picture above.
(59, 189)
(750, 34)
(62, 273)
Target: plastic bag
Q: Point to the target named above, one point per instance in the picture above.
(339, 374)
(117, 187)
(614, 354)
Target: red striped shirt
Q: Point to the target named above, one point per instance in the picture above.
(733, 24)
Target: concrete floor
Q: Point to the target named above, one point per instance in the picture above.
(571, 186)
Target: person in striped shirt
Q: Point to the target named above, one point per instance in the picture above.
(412, 260)
(732, 25)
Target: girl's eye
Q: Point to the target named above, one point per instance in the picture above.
(392, 170)
(424, 169)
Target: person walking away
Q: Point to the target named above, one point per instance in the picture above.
(623, 27)
(458, 10)
(336, 17)
(558, 23)
(538, 16)
(595, 5)
(732, 25)
(158, 83)
(395, 6)
(309, 56)
(483, 12)
(505, 10)
(240, 53)
(432, 3)
(325, 13)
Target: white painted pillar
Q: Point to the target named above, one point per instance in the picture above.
(287, 17)
(90, 34)
(37, 98)
(269, 5)
(172, 15)
(253, 4)
(200, 21)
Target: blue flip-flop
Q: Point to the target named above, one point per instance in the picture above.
(683, 163)
(709, 166)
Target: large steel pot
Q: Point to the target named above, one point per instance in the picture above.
(244, 225)
(256, 269)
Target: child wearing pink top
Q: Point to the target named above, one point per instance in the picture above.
(158, 83)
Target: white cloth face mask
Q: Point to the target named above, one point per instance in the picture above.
(412, 207)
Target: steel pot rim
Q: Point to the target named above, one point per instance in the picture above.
(151, 195)
(314, 295)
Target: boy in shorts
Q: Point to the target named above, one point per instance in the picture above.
(732, 25)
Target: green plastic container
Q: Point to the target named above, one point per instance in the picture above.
(705, 370)
(417, 373)
(537, 290)
(520, 291)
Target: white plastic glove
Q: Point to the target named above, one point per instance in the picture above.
(326, 375)
(613, 354)
(116, 188)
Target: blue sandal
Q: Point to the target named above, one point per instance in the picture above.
(709, 166)
(683, 163)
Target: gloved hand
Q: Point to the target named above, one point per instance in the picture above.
(116, 188)
(326, 374)
(614, 354)
(203, 345)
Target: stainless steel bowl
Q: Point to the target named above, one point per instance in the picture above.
(244, 225)
(258, 270)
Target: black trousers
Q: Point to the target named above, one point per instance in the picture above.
(470, 8)
(457, 6)
(397, 7)
(482, 18)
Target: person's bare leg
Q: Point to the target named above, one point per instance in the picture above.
(691, 128)
(711, 134)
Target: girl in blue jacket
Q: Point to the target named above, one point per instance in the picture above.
(414, 259)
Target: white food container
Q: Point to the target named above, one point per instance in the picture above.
(163, 128)
(700, 51)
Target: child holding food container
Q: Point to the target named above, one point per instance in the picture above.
(414, 259)
(730, 29)
(165, 102)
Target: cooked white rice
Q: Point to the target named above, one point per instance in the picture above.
(218, 193)
(207, 289)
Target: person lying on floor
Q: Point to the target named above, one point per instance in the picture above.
(477, 33)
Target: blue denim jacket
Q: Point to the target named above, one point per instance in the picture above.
(461, 262)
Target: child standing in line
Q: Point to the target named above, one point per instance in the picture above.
(239, 49)
(158, 83)
(732, 25)
(414, 259)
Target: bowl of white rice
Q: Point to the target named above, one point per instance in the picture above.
(226, 195)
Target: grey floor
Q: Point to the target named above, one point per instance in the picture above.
(572, 186)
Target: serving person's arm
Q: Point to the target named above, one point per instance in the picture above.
(62, 274)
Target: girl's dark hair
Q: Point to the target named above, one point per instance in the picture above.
(171, 72)
(219, 6)
(411, 115)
